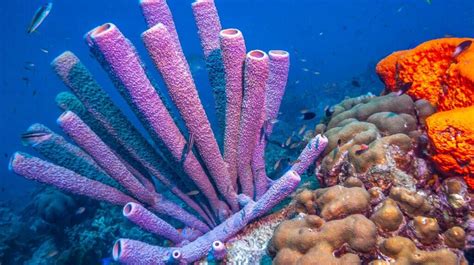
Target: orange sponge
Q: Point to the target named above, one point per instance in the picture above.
(451, 134)
(432, 72)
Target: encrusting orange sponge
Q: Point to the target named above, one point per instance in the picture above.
(451, 134)
(433, 71)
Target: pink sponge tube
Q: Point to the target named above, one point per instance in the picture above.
(91, 143)
(279, 67)
(255, 78)
(36, 169)
(150, 222)
(157, 11)
(73, 126)
(199, 248)
(233, 55)
(310, 153)
(181, 87)
(208, 24)
(125, 66)
(128, 251)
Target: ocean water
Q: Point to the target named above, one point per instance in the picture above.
(332, 43)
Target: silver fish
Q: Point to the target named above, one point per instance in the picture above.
(39, 17)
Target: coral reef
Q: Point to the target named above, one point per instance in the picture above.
(379, 175)
(374, 138)
(439, 71)
(209, 197)
(399, 229)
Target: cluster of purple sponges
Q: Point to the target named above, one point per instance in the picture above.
(229, 190)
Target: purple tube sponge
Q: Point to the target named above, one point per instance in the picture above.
(150, 222)
(279, 67)
(76, 76)
(310, 153)
(233, 55)
(126, 68)
(175, 73)
(201, 246)
(256, 75)
(209, 26)
(90, 142)
(36, 169)
(103, 155)
(129, 251)
(219, 250)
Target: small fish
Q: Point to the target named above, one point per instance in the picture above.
(294, 162)
(80, 210)
(329, 110)
(305, 69)
(404, 88)
(461, 48)
(303, 60)
(277, 164)
(302, 129)
(288, 141)
(297, 82)
(429, 2)
(400, 9)
(34, 92)
(444, 88)
(188, 147)
(294, 145)
(362, 149)
(39, 17)
(44, 50)
(316, 73)
(52, 253)
(355, 83)
(307, 116)
(321, 33)
(193, 192)
(273, 121)
(28, 137)
(339, 142)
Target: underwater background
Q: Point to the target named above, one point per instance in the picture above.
(334, 46)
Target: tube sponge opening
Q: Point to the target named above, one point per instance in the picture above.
(230, 32)
(256, 54)
(117, 250)
(101, 29)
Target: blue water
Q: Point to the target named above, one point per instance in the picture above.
(340, 39)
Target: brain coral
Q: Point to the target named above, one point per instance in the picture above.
(375, 139)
